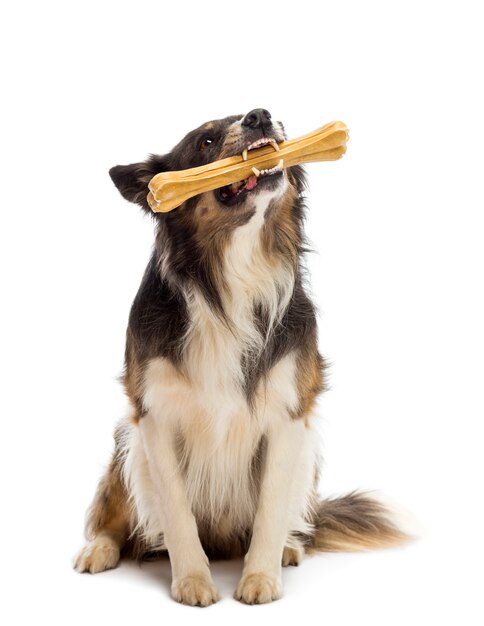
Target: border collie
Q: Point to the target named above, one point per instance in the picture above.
(219, 456)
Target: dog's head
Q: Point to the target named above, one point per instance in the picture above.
(212, 141)
(193, 239)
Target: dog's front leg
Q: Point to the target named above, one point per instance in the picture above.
(287, 476)
(191, 580)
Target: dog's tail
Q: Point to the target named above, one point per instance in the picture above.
(357, 521)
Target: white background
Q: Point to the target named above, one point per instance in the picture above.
(397, 226)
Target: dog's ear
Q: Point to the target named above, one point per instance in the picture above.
(132, 180)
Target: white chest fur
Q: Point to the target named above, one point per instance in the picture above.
(217, 440)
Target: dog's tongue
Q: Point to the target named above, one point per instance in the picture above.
(251, 182)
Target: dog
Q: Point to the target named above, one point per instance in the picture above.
(219, 457)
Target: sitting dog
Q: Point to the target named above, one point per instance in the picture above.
(219, 456)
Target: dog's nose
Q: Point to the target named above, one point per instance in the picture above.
(257, 118)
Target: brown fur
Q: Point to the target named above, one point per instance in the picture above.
(353, 522)
(310, 381)
(281, 236)
(110, 513)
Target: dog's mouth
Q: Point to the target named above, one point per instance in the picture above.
(236, 193)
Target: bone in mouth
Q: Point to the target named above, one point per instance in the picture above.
(168, 190)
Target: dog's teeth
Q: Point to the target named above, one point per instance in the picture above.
(256, 171)
(274, 145)
(280, 165)
(244, 154)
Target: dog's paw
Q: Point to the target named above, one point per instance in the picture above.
(258, 588)
(196, 590)
(292, 556)
(98, 555)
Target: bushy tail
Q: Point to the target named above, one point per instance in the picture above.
(354, 522)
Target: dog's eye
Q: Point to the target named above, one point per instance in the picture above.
(205, 143)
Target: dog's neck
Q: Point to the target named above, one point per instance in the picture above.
(237, 269)
(252, 278)
(224, 345)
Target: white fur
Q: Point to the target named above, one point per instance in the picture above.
(250, 277)
(284, 495)
(175, 516)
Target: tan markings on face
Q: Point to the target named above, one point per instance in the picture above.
(232, 140)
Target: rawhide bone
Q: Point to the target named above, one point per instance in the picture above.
(169, 190)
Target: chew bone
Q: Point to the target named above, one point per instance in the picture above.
(169, 190)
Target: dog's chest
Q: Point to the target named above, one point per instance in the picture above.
(208, 394)
(220, 439)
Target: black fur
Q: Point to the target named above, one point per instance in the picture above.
(158, 318)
